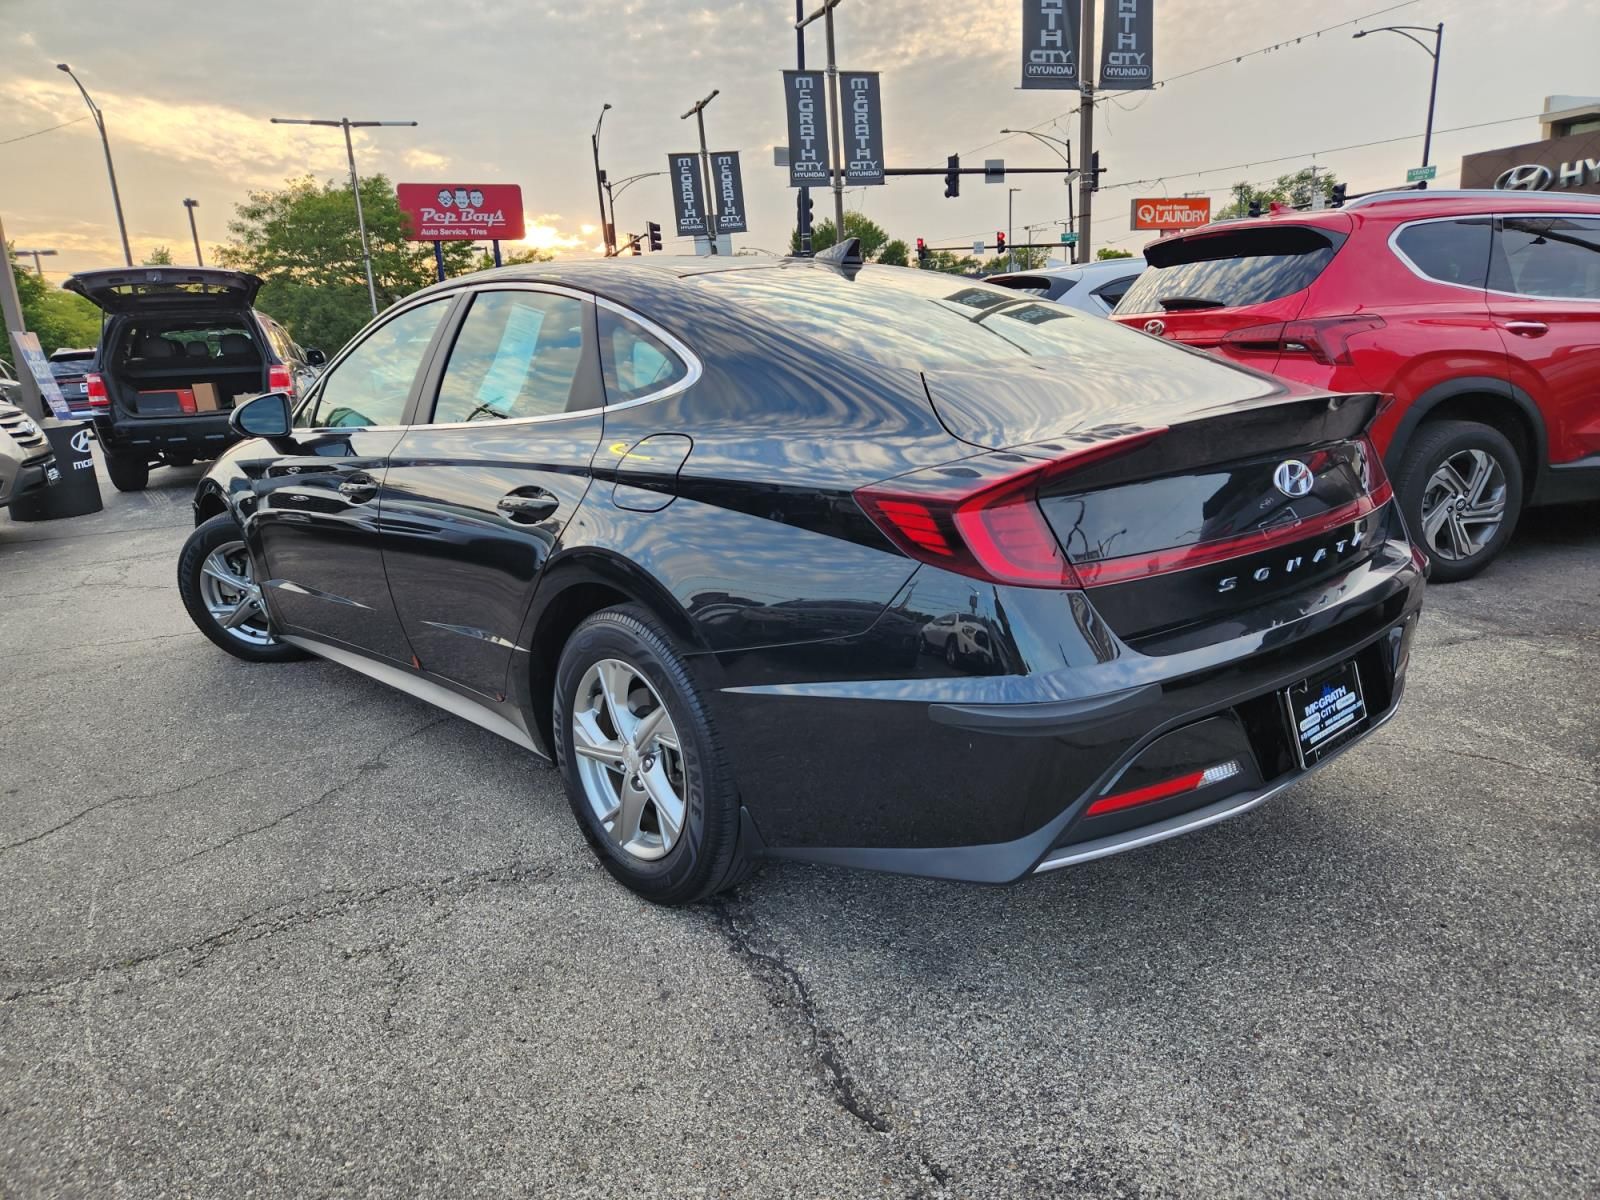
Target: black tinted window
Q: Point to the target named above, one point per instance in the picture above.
(517, 355)
(1112, 293)
(1549, 256)
(1449, 251)
(635, 361)
(1227, 270)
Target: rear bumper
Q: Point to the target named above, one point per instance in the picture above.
(29, 477)
(987, 778)
(204, 435)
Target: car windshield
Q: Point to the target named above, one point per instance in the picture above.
(1230, 269)
(921, 319)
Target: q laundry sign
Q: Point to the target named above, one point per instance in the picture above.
(688, 194)
(462, 212)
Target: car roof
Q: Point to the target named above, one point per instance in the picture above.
(1100, 266)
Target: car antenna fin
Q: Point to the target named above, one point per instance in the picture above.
(845, 254)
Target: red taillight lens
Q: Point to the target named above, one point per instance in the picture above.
(994, 531)
(95, 387)
(280, 379)
(1325, 339)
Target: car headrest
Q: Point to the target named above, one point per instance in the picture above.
(197, 350)
(234, 343)
(154, 346)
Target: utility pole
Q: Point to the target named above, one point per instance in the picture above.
(607, 224)
(836, 126)
(191, 205)
(802, 200)
(1087, 178)
(105, 143)
(698, 112)
(347, 125)
(1011, 254)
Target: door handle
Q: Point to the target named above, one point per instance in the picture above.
(1527, 328)
(358, 489)
(526, 505)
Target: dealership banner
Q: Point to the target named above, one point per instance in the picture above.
(862, 100)
(462, 212)
(808, 128)
(1125, 63)
(728, 181)
(688, 194)
(1182, 212)
(1050, 43)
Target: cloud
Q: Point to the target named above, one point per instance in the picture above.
(424, 160)
(542, 233)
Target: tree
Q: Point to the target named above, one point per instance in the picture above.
(303, 241)
(895, 254)
(946, 261)
(1106, 252)
(161, 256)
(485, 260)
(1295, 190)
(59, 318)
(824, 234)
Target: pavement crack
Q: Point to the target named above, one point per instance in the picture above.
(94, 808)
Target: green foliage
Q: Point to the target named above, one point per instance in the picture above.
(303, 241)
(1106, 252)
(1295, 189)
(485, 260)
(58, 317)
(895, 254)
(946, 261)
(824, 234)
(161, 256)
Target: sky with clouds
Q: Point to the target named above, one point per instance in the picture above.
(508, 91)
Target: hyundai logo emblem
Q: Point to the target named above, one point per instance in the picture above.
(1292, 478)
(1155, 327)
(1529, 177)
(80, 442)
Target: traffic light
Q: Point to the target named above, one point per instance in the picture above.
(633, 245)
(1094, 171)
(952, 177)
(922, 251)
(654, 232)
(1338, 194)
(999, 242)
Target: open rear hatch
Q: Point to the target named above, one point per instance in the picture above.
(152, 290)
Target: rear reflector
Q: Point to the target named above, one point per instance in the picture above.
(1192, 782)
(94, 386)
(994, 531)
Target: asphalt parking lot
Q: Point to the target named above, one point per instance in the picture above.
(277, 930)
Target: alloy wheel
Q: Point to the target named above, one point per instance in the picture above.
(232, 596)
(629, 759)
(1464, 504)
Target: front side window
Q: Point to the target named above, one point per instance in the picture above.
(1557, 257)
(635, 361)
(518, 355)
(371, 384)
(1449, 251)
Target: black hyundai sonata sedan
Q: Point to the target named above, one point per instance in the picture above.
(803, 558)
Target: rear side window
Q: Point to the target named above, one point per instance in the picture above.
(1449, 251)
(517, 355)
(1557, 257)
(636, 362)
(1113, 292)
(1228, 270)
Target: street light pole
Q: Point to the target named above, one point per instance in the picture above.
(1011, 253)
(37, 254)
(1408, 31)
(191, 205)
(1087, 177)
(698, 112)
(836, 126)
(599, 184)
(111, 170)
(347, 125)
(1057, 144)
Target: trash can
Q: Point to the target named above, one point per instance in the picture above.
(77, 491)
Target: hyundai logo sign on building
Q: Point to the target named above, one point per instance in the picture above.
(1566, 159)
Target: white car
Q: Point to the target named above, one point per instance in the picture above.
(1088, 287)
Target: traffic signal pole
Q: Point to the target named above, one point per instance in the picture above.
(1088, 178)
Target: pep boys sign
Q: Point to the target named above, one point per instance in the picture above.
(462, 212)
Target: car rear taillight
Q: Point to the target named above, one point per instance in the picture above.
(1325, 339)
(94, 386)
(1374, 478)
(280, 379)
(994, 531)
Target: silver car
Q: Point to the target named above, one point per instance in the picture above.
(1089, 287)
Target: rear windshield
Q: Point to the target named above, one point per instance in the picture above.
(77, 365)
(922, 320)
(1228, 270)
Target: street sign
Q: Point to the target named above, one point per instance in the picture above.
(977, 248)
(1069, 239)
(862, 102)
(1418, 174)
(994, 170)
(462, 212)
(688, 194)
(1158, 212)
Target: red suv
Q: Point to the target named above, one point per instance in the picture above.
(1477, 311)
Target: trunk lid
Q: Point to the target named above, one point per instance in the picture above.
(148, 290)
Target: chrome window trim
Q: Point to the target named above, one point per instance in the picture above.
(1494, 233)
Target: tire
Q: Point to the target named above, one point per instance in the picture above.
(1439, 473)
(219, 543)
(624, 650)
(127, 474)
(952, 657)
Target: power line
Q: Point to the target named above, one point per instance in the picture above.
(24, 137)
(1224, 62)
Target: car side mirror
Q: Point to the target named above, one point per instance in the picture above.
(266, 416)
(315, 357)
